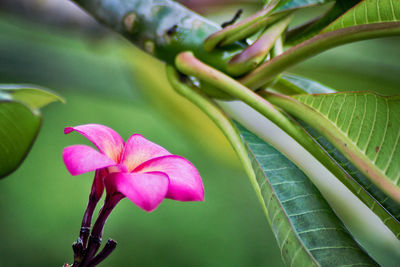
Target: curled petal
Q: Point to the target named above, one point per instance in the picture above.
(146, 190)
(105, 139)
(138, 150)
(185, 181)
(80, 159)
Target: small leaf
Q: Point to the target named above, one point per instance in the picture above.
(368, 12)
(308, 231)
(32, 96)
(18, 129)
(20, 121)
(364, 126)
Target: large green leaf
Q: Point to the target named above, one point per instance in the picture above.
(368, 12)
(308, 231)
(363, 126)
(18, 129)
(380, 203)
(19, 122)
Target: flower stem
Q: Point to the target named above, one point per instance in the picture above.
(94, 197)
(78, 249)
(107, 250)
(95, 238)
(96, 192)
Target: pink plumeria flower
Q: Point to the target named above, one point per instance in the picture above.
(140, 170)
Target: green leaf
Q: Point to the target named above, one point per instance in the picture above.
(308, 231)
(20, 122)
(381, 204)
(363, 126)
(368, 12)
(189, 65)
(18, 129)
(32, 96)
(379, 197)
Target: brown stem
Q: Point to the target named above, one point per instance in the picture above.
(97, 231)
(107, 250)
(94, 197)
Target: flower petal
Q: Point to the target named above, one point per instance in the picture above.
(185, 181)
(146, 190)
(138, 150)
(80, 159)
(105, 139)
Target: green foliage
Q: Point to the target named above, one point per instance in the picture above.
(390, 213)
(307, 230)
(379, 199)
(380, 203)
(19, 127)
(301, 219)
(19, 122)
(164, 29)
(365, 127)
(368, 12)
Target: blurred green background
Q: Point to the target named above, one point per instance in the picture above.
(108, 81)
